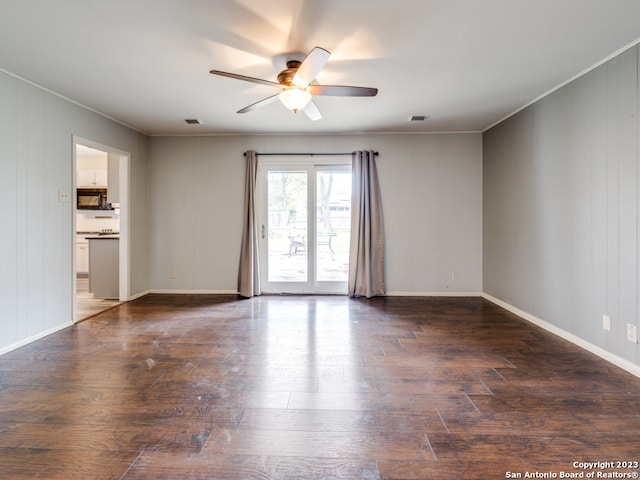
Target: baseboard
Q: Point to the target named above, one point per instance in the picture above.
(434, 294)
(580, 342)
(33, 338)
(192, 292)
(235, 292)
(138, 295)
(167, 291)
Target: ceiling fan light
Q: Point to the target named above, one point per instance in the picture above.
(295, 98)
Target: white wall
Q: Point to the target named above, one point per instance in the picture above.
(431, 187)
(36, 247)
(561, 207)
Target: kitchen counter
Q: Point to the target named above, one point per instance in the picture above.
(103, 237)
(107, 233)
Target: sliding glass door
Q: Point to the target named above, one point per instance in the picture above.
(305, 227)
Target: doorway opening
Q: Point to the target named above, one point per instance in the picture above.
(305, 223)
(100, 227)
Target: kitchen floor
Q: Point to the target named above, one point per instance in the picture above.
(87, 305)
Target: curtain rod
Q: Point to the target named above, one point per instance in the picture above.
(335, 154)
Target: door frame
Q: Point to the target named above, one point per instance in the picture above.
(311, 166)
(125, 227)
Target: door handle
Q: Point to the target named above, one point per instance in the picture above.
(263, 231)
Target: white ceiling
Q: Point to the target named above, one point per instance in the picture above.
(464, 63)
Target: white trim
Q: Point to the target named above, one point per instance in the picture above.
(33, 338)
(231, 134)
(235, 292)
(314, 134)
(192, 292)
(434, 294)
(70, 100)
(566, 82)
(311, 166)
(124, 275)
(602, 353)
(138, 295)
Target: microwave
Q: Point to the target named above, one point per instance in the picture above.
(92, 199)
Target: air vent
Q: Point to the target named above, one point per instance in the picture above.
(192, 121)
(418, 118)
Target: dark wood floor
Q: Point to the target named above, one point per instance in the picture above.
(178, 387)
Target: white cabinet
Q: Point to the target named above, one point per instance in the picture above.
(82, 255)
(92, 178)
(92, 171)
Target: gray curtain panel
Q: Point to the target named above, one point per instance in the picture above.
(249, 270)
(366, 255)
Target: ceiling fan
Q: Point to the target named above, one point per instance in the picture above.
(296, 87)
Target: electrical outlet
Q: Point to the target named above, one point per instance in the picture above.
(632, 333)
(454, 275)
(173, 274)
(606, 322)
(63, 196)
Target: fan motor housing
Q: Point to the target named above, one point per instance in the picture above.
(285, 77)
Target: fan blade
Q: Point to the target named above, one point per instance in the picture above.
(312, 111)
(342, 91)
(310, 67)
(261, 103)
(247, 79)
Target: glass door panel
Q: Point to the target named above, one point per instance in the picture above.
(333, 225)
(287, 249)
